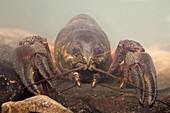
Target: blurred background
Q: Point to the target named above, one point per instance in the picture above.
(146, 21)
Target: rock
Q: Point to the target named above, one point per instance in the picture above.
(11, 36)
(40, 104)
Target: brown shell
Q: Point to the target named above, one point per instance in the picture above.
(80, 26)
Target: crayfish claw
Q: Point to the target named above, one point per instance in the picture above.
(31, 55)
(144, 76)
(23, 68)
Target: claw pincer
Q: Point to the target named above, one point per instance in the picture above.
(30, 56)
(140, 66)
(144, 75)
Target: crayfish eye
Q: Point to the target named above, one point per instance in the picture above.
(98, 51)
(75, 51)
